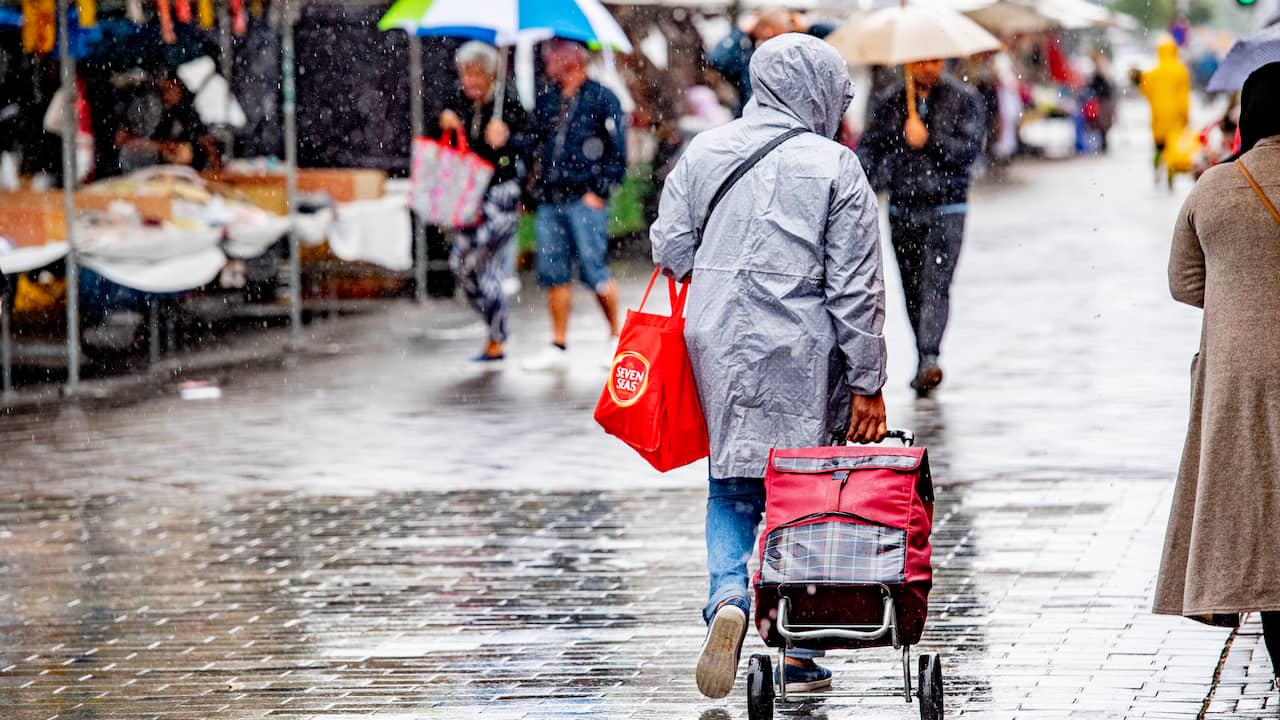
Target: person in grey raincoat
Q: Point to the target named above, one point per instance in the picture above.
(785, 311)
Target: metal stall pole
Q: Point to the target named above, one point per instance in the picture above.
(68, 194)
(417, 123)
(227, 60)
(6, 345)
(153, 329)
(289, 91)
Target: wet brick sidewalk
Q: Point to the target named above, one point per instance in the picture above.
(1246, 686)
(533, 604)
(378, 530)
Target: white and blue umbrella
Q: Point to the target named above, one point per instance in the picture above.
(504, 22)
(1251, 53)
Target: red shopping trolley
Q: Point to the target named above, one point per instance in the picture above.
(845, 564)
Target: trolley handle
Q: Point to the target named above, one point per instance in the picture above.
(907, 437)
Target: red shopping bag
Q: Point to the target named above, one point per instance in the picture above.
(650, 401)
(448, 183)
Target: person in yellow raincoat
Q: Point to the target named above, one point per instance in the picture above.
(1167, 88)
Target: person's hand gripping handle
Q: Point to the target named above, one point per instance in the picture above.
(868, 424)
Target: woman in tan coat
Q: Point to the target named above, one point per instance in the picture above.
(1222, 549)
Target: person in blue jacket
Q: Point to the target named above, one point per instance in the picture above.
(579, 158)
(731, 57)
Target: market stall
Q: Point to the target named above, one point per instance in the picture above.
(168, 232)
(164, 232)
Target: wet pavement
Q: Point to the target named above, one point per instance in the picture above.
(1245, 686)
(376, 529)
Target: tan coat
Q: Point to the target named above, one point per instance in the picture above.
(1222, 549)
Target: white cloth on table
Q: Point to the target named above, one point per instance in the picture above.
(375, 231)
(164, 259)
(26, 259)
(313, 228)
(174, 274)
(245, 241)
(144, 243)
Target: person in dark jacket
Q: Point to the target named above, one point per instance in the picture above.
(164, 128)
(731, 57)
(478, 256)
(580, 156)
(923, 162)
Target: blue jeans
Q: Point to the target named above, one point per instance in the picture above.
(734, 509)
(569, 232)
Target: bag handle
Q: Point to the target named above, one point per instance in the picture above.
(678, 297)
(736, 175)
(455, 139)
(1257, 189)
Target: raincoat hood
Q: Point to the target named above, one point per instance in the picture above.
(1167, 49)
(804, 78)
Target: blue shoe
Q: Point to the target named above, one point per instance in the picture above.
(805, 678)
(483, 359)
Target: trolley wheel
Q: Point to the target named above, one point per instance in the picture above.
(759, 688)
(930, 681)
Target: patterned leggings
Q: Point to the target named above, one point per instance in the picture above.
(478, 258)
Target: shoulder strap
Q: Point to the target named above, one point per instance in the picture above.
(737, 174)
(1271, 208)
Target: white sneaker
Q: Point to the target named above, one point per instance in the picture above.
(511, 286)
(718, 661)
(551, 359)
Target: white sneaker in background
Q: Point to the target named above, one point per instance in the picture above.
(551, 359)
(511, 286)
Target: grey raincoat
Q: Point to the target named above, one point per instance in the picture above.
(787, 304)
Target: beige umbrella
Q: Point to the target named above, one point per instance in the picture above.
(907, 34)
(1008, 17)
(900, 35)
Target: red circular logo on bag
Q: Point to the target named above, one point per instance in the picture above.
(628, 378)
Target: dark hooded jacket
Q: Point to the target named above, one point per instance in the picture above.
(937, 174)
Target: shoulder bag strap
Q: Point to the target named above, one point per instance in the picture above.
(1271, 208)
(737, 174)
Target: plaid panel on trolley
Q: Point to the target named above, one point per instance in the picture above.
(835, 552)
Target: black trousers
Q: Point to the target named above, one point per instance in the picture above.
(927, 243)
(1271, 634)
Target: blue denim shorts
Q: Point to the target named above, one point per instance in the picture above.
(569, 232)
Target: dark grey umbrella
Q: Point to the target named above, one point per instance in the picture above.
(1247, 55)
